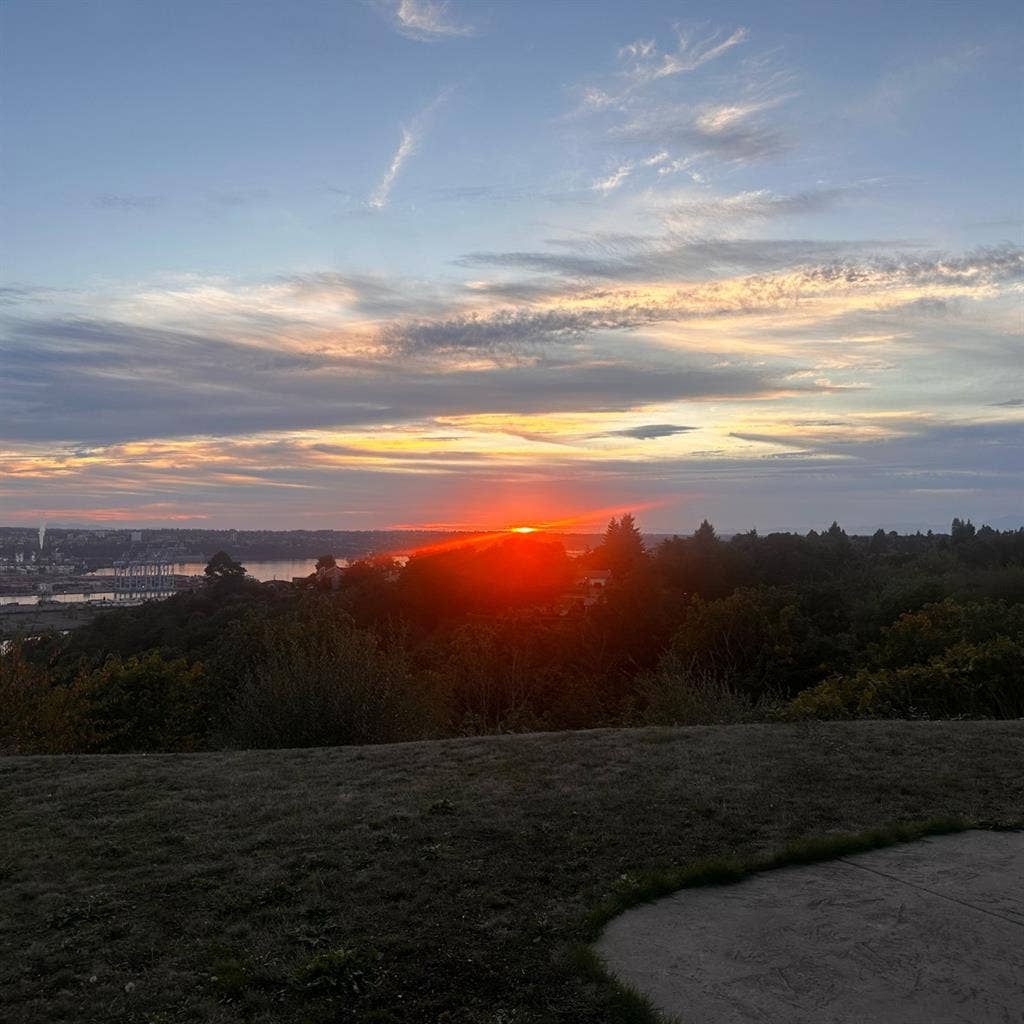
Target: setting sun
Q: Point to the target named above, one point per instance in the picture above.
(522, 529)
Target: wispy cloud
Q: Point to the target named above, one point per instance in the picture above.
(706, 118)
(381, 194)
(673, 255)
(576, 386)
(642, 64)
(750, 206)
(615, 179)
(426, 21)
(908, 82)
(624, 170)
(736, 132)
(646, 63)
(412, 134)
(118, 201)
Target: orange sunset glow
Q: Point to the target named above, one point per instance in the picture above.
(655, 286)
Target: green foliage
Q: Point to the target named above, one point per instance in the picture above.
(134, 704)
(698, 565)
(497, 635)
(314, 679)
(685, 698)
(345, 970)
(223, 567)
(143, 703)
(754, 642)
(519, 672)
(961, 530)
(946, 661)
(37, 717)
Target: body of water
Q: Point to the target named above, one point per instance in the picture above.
(59, 598)
(263, 571)
(284, 569)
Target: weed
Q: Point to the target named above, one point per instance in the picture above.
(344, 969)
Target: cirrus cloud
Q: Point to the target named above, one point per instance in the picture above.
(426, 21)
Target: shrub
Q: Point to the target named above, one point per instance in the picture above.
(945, 660)
(35, 716)
(917, 637)
(523, 671)
(316, 680)
(968, 680)
(126, 705)
(755, 642)
(687, 698)
(143, 703)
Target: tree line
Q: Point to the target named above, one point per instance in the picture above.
(508, 636)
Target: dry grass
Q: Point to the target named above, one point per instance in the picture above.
(441, 882)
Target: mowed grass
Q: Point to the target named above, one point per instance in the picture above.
(443, 882)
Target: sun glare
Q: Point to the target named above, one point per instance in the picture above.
(523, 529)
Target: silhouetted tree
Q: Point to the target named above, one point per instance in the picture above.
(622, 548)
(961, 530)
(223, 567)
(326, 562)
(705, 533)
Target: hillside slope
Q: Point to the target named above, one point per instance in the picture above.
(439, 882)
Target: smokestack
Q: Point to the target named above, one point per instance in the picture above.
(42, 533)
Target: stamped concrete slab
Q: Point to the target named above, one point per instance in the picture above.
(930, 932)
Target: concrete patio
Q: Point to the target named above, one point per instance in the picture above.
(930, 932)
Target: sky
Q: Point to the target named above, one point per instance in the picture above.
(360, 265)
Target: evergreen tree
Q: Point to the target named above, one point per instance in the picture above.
(705, 533)
(622, 548)
(961, 530)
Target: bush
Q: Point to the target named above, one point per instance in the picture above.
(945, 661)
(35, 716)
(967, 681)
(143, 703)
(520, 672)
(755, 642)
(316, 680)
(137, 704)
(686, 698)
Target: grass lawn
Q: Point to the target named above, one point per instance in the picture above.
(440, 882)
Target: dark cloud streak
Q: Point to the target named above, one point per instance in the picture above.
(97, 382)
(648, 431)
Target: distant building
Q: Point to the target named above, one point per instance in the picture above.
(325, 578)
(587, 589)
(330, 577)
(136, 536)
(143, 580)
(593, 582)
